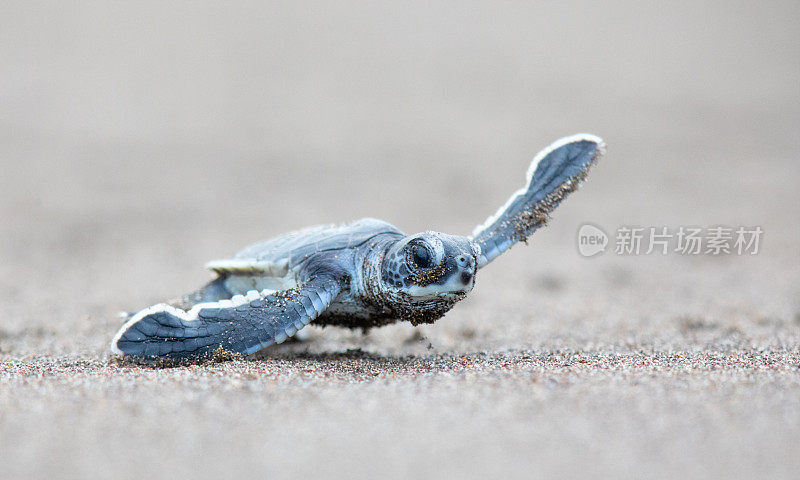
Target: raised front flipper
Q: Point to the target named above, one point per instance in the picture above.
(244, 324)
(554, 173)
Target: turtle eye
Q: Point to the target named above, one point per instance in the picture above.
(421, 256)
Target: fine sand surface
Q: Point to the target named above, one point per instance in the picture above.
(139, 141)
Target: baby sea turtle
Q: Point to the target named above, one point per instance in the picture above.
(360, 275)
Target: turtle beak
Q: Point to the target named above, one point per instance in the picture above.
(466, 266)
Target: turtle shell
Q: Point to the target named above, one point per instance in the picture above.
(279, 256)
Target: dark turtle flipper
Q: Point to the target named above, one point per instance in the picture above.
(554, 173)
(213, 291)
(244, 324)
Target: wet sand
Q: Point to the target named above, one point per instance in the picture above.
(138, 144)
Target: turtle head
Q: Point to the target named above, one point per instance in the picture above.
(430, 266)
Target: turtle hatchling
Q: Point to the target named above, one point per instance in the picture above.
(360, 275)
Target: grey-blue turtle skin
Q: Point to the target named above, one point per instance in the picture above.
(360, 275)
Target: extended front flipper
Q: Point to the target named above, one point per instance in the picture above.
(244, 324)
(554, 173)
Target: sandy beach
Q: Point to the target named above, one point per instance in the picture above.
(137, 143)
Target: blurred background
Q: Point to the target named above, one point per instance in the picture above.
(139, 140)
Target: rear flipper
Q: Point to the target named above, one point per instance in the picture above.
(244, 324)
(213, 291)
(554, 173)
